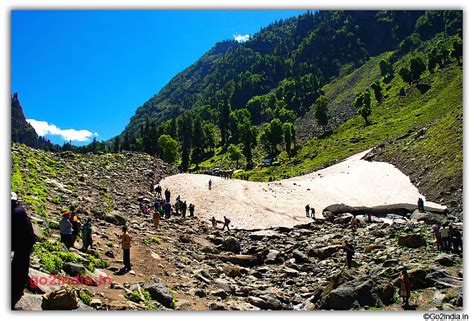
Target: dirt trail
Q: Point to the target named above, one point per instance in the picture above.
(255, 205)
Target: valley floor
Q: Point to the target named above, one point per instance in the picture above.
(255, 205)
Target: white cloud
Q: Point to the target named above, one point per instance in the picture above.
(42, 128)
(241, 38)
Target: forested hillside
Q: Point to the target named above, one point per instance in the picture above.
(292, 82)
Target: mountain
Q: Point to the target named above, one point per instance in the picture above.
(319, 44)
(260, 96)
(22, 132)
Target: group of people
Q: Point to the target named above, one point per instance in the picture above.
(448, 238)
(310, 211)
(162, 208)
(226, 223)
(70, 226)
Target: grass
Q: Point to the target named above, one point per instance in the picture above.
(85, 297)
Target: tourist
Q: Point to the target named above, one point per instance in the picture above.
(226, 223)
(126, 244)
(421, 205)
(437, 237)
(349, 249)
(66, 230)
(167, 210)
(87, 235)
(146, 209)
(457, 241)
(369, 218)
(156, 218)
(76, 227)
(306, 208)
(313, 212)
(214, 222)
(444, 232)
(405, 286)
(210, 184)
(191, 210)
(353, 223)
(167, 196)
(23, 238)
(184, 208)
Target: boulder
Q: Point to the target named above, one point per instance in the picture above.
(273, 256)
(241, 259)
(217, 306)
(115, 218)
(290, 272)
(224, 285)
(428, 217)
(29, 302)
(258, 302)
(74, 269)
(341, 298)
(323, 253)
(160, 293)
(40, 282)
(343, 219)
(442, 279)
(300, 257)
(329, 216)
(231, 244)
(219, 293)
(418, 278)
(446, 259)
(231, 270)
(369, 248)
(60, 300)
(412, 240)
(272, 302)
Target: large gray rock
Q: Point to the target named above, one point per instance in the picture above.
(231, 244)
(273, 256)
(160, 293)
(412, 240)
(323, 253)
(442, 279)
(300, 257)
(428, 217)
(446, 259)
(29, 302)
(41, 283)
(74, 269)
(341, 298)
(115, 218)
(258, 302)
(343, 219)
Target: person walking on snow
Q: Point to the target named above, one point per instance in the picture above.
(306, 208)
(226, 223)
(210, 184)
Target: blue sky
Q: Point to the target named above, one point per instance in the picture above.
(88, 71)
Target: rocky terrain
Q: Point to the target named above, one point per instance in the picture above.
(185, 264)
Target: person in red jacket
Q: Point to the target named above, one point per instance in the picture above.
(405, 286)
(23, 239)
